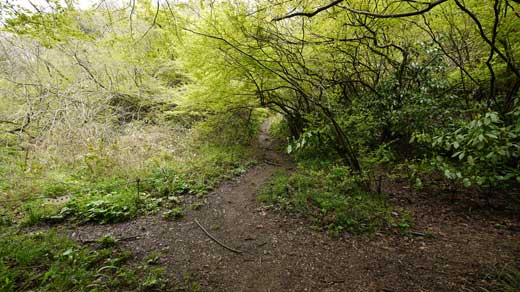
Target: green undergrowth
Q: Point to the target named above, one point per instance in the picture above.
(208, 166)
(47, 261)
(334, 200)
(110, 199)
(505, 279)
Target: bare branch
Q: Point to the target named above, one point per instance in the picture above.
(487, 40)
(397, 15)
(429, 7)
(154, 23)
(309, 14)
(88, 71)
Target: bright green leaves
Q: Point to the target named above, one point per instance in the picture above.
(57, 26)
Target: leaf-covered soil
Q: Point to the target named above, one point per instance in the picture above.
(452, 245)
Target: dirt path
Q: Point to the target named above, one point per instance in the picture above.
(282, 253)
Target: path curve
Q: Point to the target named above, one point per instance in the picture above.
(282, 253)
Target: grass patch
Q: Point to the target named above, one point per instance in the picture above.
(334, 200)
(506, 279)
(111, 199)
(46, 261)
(206, 166)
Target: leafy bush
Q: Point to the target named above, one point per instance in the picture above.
(484, 150)
(333, 199)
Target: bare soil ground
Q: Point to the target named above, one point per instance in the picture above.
(282, 253)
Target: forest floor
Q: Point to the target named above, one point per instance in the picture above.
(452, 246)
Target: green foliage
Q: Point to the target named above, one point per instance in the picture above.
(363, 92)
(173, 214)
(483, 151)
(189, 283)
(231, 127)
(279, 127)
(37, 211)
(200, 170)
(153, 258)
(334, 199)
(100, 178)
(107, 241)
(96, 99)
(507, 279)
(54, 27)
(314, 148)
(100, 207)
(46, 261)
(90, 100)
(416, 98)
(212, 163)
(166, 181)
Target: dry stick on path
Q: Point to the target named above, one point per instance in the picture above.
(129, 238)
(216, 240)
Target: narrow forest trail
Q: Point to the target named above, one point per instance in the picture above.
(282, 253)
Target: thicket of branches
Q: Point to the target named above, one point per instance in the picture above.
(435, 83)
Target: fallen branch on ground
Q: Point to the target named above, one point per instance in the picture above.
(129, 238)
(216, 240)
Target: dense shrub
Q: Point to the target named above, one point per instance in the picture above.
(484, 150)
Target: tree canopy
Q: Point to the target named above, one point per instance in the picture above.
(354, 77)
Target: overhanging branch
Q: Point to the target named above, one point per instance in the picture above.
(429, 7)
(309, 14)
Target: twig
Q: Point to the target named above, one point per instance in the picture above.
(129, 238)
(417, 233)
(310, 14)
(216, 240)
(154, 23)
(270, 162)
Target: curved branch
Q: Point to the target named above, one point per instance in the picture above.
(92, 77)
(216, 240)
(487, 40)
(309, 14)
(429, 7)
(397, 15)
